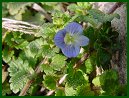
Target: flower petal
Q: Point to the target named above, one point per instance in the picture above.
(71, 51)
(74, 27)
(82, 40)
(59, 38)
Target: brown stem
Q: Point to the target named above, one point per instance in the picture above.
(26, 87)
(116, 5)
(21, 26)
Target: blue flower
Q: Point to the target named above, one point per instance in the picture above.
(70, 39)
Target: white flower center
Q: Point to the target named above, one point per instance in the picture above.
(70, 39)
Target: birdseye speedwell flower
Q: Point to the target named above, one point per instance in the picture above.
(70, 39)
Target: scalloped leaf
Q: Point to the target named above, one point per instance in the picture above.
(81, 7)
(15, 7)
(84, 5)
(76, 79)
(59, 92)
(6, 88)
(84, 90)
(47, 69)
(72, 7)
(7, 54)
(34, 48)
(15, 40)
(46, 30)
(102, 17)
(109, 80)
(49, 82)
(4, 9)
(69, 91)
(58, 62)
(19, 72)
(94, 22)
(47, 51)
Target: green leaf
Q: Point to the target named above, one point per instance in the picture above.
(22, 45)
(69, 91)
(72, 7)
(8, 39)
(46, 30)
(84, 5)
(34, 88)
(19, 72)
(97, 45)
(49, 82)
(24, 56)
(17, 37)
(93, 58)
(59, 92)
(96, 81)
(92, 34)
(84, 90)
(102, 17)
(28, 37)
(15, 7)
(34, 48)
(60, 18)
(56, 49)
(47, 69)
(37, 19)
(121, 90)
(97, 14)
(89, 66)
(109, 80)
(50, 6)
(81, 7)
(4, 9)
(15, 40)
(7, 54)
(73, 18)
(94, 22)
(6, 88)
(103, 58)
(49, 3)
(48, 52)
(75, 79)
(110, 17)
(58, 62)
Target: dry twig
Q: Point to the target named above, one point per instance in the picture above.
(21, 26)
